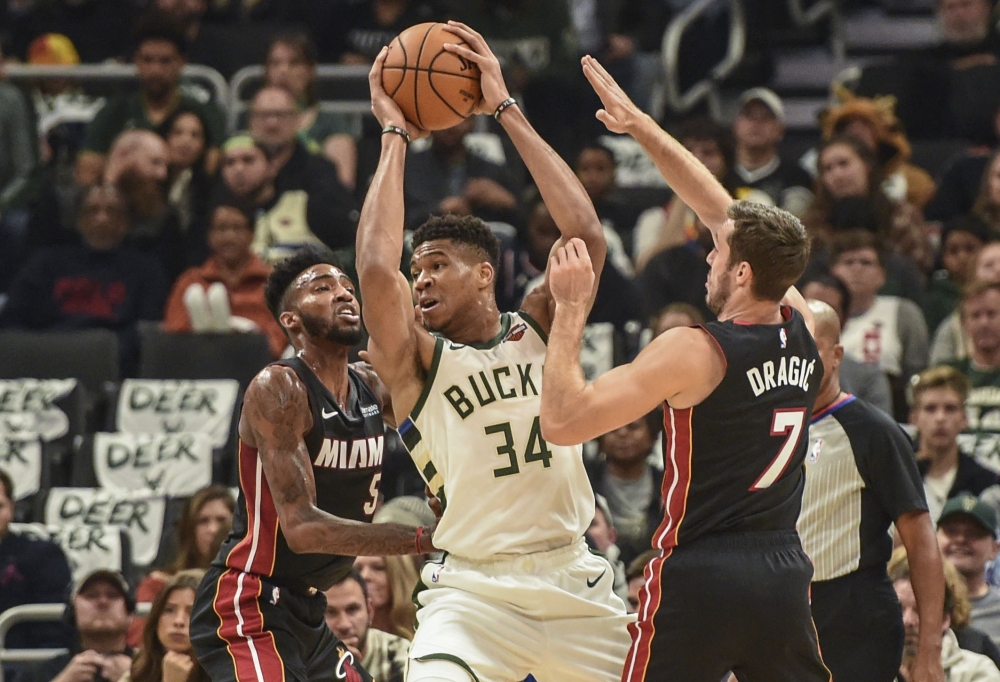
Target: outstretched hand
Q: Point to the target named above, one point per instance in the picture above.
(619, 113)
(479, 53)
(571, 274)
(385, 109)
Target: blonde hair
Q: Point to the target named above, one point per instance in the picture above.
(956, 595)
(403, 577)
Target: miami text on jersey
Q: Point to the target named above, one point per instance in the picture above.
(363, 454)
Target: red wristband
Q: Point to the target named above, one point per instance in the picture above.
(416, 539)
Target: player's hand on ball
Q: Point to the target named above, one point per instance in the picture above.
(386, 111)
(571, 274)
(491, 77)
(619, 113)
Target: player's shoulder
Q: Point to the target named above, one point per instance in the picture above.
(278, 384)
(863, 421)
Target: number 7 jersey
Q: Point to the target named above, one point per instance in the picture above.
(735, 463)
(474, 435)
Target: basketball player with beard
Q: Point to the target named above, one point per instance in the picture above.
(310, 459)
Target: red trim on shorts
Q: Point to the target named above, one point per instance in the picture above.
(643, 631)
(241, 626)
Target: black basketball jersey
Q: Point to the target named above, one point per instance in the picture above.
(345, 447)
(735, 461)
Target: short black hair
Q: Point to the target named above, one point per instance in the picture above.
(355, 575)
(830, 281)
(467, 230)
(8, 485)
(286, 271)
(228, 200)
(594, 145)
(158, 26)
(704, 128)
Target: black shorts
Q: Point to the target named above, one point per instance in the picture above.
(848, 611)
(733, 602)
(246, 629)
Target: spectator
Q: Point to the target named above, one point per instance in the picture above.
(676, 315)
(967, 535)
(987, 204)
(969, 638)
(873, 122)
(99, 283)
(448, 178)
(959, 664)
(678, 274)
(159, 58)
(938, 414)
(364, 28)
(138, 167)
(349, 617)
(602, 536)
(165, 654)
(291, 64)
(100, 29)
(226, 293)
(390, 581)
(950, 342)
(99, 608)
(595, 166)
(331, 213)
(661, 228)
(849, 195)
(203, 525)
(981, 324)
(884, 330)
(635, 574)
(188, 184)
(31, 572)
(965, 182)
(623, 476)
(961, 241)
(211, 45)
(866, 381)
(757, 131)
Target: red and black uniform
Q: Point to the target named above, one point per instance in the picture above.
(259, 614)
(730, 589)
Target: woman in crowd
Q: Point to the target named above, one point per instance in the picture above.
(188, 184)
(165, 651)
(390, 581)
(987, 206)
(291, 64)
(202, 528)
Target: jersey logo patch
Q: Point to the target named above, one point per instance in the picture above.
(783, 337)
(816, 448)
(345, 667)
(436, 573)
(275, 595)
(517, 333)
(327, 415)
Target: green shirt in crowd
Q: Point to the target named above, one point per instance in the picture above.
(126, 112)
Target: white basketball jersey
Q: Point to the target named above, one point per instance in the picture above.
(474, 435)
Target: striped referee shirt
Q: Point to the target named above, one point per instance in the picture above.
(861, 475)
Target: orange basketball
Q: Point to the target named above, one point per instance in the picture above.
(435, 88)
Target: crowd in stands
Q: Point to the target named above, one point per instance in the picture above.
(156, 206)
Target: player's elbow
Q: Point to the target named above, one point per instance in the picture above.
(556, 428)
(295, 529)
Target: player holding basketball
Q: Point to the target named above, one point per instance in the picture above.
(311, 442)
(518, 591)
(730, 588)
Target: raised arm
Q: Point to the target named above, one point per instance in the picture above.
(388, 303)
(275, 417)
(564, 195)
(686, 175)
(680, 365)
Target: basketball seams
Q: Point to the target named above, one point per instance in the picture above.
(443, 73)
(430, 82)
(402, 48)
(416, 76)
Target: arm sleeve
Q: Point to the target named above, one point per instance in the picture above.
(913, 333)
(889, 468)
(22, 149)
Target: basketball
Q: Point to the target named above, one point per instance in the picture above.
(434, 88)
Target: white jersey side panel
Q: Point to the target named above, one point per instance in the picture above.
(475, 437)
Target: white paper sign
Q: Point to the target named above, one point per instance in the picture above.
(139, 512)
(633, 166)
(21, 458)
(597, 349)
(28, 406)
(87, 548)
(163, 406)
(172, 464)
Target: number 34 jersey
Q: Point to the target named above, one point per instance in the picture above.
(474, 435)
(735, 462)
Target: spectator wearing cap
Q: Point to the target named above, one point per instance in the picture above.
(757, 131)
(967, 534)
(159, 58)
(602, 536)
(31, 572)
(226, 292)
(961, 241)
(100, 607)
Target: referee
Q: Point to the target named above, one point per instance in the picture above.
(861, 476)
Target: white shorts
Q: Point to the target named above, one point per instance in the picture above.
(550, 614)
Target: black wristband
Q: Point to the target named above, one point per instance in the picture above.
(398, 131)
(503, 105)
